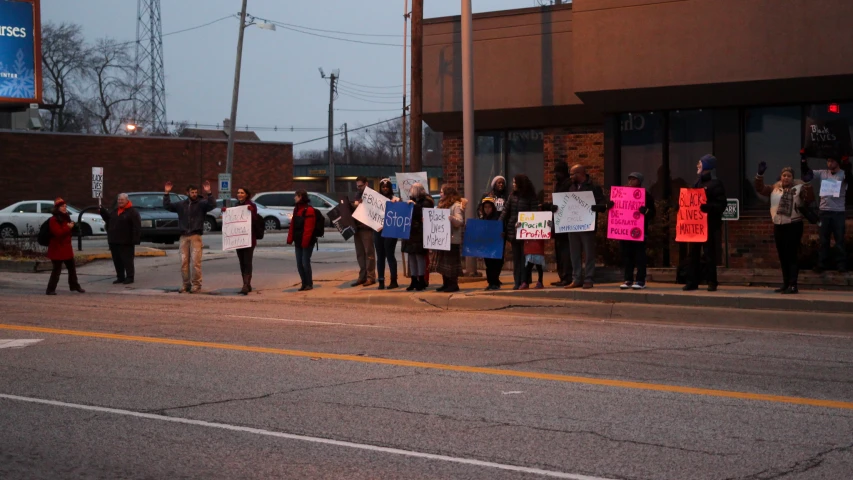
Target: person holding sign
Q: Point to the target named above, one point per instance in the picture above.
(386, 248)
(562, 248)
(833, 197)
(787, 198)
(301, 236)
(124, 230)
(523, 199)
(488, 211)
(246, 255)
(191, 213)
(365, 252)
(414, 246)
(631, 203)
(448, 263)
(714, 206)
(582, 244)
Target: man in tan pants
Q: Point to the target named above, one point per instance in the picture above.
(191, 213)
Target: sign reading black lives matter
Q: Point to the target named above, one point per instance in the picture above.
(97, 182)
(827, 138)
(371, 210)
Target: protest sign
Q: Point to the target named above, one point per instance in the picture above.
(406, 180)
(827, 138)
(371, 210)
(573, 212)
(97, 182)
(437, 229)
(692, 225)
(534, 226)
(830, 188)
(398, 220)
(236, 228)
(341, 218)
(624, 221)
(483, 239)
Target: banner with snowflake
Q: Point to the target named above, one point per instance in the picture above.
(17, 51)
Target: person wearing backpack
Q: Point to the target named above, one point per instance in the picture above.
(246, 255)
(302, 236)
(124, 229)
(59, 250)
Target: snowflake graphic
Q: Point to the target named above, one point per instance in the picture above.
(23, 83)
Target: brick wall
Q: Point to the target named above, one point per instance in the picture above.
(45, 165)
(452, 159)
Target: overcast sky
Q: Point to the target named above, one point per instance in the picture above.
(280, 83)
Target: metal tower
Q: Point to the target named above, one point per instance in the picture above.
(149, 104)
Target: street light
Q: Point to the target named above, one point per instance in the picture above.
(131, 128)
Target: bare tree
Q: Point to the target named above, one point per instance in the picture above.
(111, 89)
(64, 55)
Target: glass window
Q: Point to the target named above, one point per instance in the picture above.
(691, 136)
(47, 207)
(642, 150)
(488, 161)
(835, 117)
(318, 202)
(27, 208)
(526, 155)
(773, 135)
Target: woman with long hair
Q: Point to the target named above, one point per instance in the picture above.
(414, 246)
(386, 248)
(522, 199)
(60, 250)
(301, 236)
(449, 263)
(246, 255)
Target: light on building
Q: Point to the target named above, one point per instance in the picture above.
(834, 108)
(131, 128)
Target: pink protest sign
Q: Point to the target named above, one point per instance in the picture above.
(625, 221)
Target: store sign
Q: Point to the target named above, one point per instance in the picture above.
(732, 211)
(20, 69)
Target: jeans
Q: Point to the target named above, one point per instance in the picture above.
(694, 267)
(386, 249)
(123, 260)
(634, 255)
(417, 265)
(788, 240)
(57, 270)
(303, 265)
(245, 256)
(832, 225)
(191, 251)
(563, 252)
(582, 243)
(366, 254)
(519, 275)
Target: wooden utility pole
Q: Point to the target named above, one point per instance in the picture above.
(416, 108)
(346, 143)
(404, 134)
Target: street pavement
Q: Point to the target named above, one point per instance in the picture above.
(141, 382)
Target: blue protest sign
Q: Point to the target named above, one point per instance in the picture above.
(483, 239)
(398, 220)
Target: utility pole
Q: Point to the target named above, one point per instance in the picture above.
(404, 133)
(468, 119)
(229, 163)
(416, 106)
(346, 142)
(333, 79)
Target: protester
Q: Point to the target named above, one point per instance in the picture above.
(364, 251)
(59, 250)
(246, 255)
(449, 263)
(488, 211)
(562, 248)
(534, 256)
(832, 209)
(386, 248)
(301, 235)
(522, 199)
(124, 230)
(498, 193)
(582, 244)
(787, 198)
(414, 246)
(191, 213)
(714, 207)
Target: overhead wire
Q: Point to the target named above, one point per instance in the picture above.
(395, 119)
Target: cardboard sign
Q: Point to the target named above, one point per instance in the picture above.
(371, 210)
(398, 220)
(437, 229)
(827, 138)
(692, 225)
(830, 188)
(624, 221)
(406, 180)
(534, 226)
(573, 212)
(483, 239)
(341, 218)
(236, 228)
(98, 182)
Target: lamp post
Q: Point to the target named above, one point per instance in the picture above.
(468, 120)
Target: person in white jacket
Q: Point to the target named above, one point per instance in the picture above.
(449, 263)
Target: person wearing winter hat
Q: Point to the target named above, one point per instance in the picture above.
(386, 248)
(714, 207)
(60, 250)
(488, 211)
(499, 193)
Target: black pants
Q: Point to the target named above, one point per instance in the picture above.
(832, 225)
(528, 272)
(634, 255)
(564, 257)
(788, 240)
(694, 268)
(57, 270)
(519, 275)
(123, 260)
(245, 256)
(386, 249)
(493, 270)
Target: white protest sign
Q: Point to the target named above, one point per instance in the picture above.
(437, 229)
(371, 210)
(406, 180)
(573, 212)
(830, 188)
(236, 228)
(97, 182)
(534, 226)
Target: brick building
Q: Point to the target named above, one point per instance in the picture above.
(646, 85)
(46, 165)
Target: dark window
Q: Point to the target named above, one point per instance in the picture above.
(773, 135)
(488, 161)
(526, 155)
(27, 208)
(691, 136)
(46, 207)
(642, 150)
(838, 115)
(318, 202)
(277, 199)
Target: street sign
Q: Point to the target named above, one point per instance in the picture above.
(225, 186)
(732, 211)
(97, 182)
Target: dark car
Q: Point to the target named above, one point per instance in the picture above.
(158, 224)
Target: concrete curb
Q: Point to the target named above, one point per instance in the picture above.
(34, 266)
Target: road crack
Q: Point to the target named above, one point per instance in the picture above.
(802, 466)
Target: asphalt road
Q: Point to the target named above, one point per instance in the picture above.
(142, 383)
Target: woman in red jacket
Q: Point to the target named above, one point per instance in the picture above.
(60, 251)
(301, 235)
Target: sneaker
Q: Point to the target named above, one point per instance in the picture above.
(523, 286)
(639, 285)
(791, 290)
(127, 281)
(625, 286)
(539, 286)
(308, 288)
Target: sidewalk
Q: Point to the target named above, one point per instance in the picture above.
(80, 258)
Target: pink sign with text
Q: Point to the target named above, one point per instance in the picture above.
(625, 222)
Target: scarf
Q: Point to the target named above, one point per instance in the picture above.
(786, 203)
(122, 210)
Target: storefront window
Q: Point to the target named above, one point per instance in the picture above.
(526, 155)
(642, 149)
(691, 136)
(488, 161)
(839, 119)
(773, 135)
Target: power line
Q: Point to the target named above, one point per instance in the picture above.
(254, 128)
(395, 119)
(367, 110)
(371, 86)
(185, 29)
(336, 31)
(364, 99)
(281, 25)
(381, 96)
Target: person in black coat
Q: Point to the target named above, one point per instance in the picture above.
(714, 207)
(522, 199)
(633, 252)
(414, 246)
(582, 244)
(124, 229)
(562, 250)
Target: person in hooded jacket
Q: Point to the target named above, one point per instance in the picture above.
(449, 263)
(414, 246)
(488, 211)
(246, 255)
(60, 250)
(301, 235)
(714, 207)
(522, 199)
(386, 248)
(124, 231)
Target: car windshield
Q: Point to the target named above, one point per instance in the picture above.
(150, 200)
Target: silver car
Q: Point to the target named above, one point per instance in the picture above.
(284, 201)
(273, 219)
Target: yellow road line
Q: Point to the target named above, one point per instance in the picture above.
(655, 387)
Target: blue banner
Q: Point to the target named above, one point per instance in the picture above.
(398, 220)
(17, 51)
(483, 239)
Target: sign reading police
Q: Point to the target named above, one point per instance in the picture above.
(20, 61)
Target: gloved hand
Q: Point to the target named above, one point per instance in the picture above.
(704, 208)
(610, 204)
(808, 176)
(598, 208)
(554, 208)
(643, 210)
(762, 167)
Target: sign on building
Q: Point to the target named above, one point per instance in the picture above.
(20, 61)
(732, 211)
(225, 186)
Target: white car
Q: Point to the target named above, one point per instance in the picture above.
(25, 219)
(285, 201)
(273, 219)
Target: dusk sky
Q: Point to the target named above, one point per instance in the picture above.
(280, 84)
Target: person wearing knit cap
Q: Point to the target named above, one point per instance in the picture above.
(499, 192)
(714, 207)
(60, 251)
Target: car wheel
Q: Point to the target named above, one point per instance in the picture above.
(209, 224)
(87, 230)
(7, 230)
(271, 223)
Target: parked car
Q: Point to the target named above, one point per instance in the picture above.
(25, 219)
(158, 224)
(273, 219)
(285, 201)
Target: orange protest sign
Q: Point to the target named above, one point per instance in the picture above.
(692, 224)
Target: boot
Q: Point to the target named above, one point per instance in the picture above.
(249, 281)
(420, 284)
(452, 286)
(444, 284)
(393, 283)
(245, 289)
(381, 284)
(412, 285)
